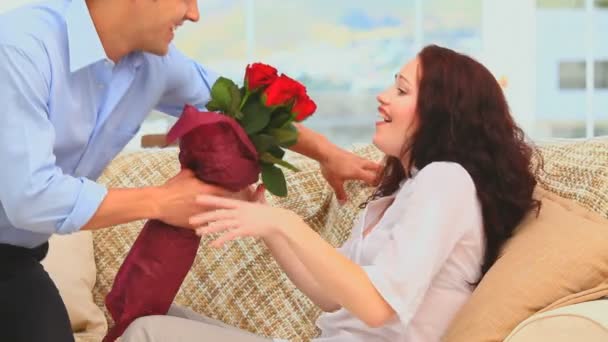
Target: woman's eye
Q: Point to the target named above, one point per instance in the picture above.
(401, 91)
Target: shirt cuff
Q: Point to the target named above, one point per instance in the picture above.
(88, 201)
(389, 291)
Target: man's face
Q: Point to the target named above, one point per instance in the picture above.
(157, 21)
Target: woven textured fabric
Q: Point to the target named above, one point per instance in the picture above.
(578, 171)
(243, 286)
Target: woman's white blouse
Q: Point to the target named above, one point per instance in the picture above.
(422, 256)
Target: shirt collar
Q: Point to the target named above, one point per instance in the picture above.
(84, 45)
(137, 59)
(413, 171)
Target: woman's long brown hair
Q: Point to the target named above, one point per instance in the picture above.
(464, 118)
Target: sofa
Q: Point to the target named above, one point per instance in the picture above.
(243, 286)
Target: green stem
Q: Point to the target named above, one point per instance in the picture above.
(245, 98)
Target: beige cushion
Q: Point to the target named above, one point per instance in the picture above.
(580, 322)
(555, 259)
(534, 275)
(71, 265)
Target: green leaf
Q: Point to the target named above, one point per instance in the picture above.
(256, 116)
(263, 142)
(289, 166)
(225, 97)
(277, 151)
(280, 118)
(269, 158)
(235, 104)
(274, 180)
(286, 136)
(213, 106)
(239, 115)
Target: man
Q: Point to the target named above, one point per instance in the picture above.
(77, 78)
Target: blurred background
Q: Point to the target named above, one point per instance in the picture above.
(551, 56)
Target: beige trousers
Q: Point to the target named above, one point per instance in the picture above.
(184, 325)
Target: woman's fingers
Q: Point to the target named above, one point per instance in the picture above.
(211, 216)
(217, 226)
(218, 202)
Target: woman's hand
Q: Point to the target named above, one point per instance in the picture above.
(237, 219)
(177, 199)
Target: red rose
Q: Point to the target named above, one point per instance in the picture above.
(258, 75)
(304, 107)
(282, 91)
(209, 142)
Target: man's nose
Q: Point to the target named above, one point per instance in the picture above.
(193, 14)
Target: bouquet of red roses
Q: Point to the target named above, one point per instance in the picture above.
(243, 136)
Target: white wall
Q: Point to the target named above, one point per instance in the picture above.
(6, 5)
(569, 26)
(509, 50)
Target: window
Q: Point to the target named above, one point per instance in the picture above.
(572, 75)
(569, 3)
(554, 4)
(567, 39)
(453, 24)
(601, 3)
(347, 51)
(601, 74)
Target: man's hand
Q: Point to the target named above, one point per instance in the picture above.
(178, 199)
(340, 165)
(337, 165)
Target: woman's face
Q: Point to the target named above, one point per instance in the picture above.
(398, 115)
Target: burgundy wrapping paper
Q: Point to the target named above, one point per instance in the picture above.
(219, 151)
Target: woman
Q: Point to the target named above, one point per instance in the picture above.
(456, 182)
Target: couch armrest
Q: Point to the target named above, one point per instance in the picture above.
(586, 321)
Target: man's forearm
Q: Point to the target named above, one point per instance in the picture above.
(125, 205)
(312, 144)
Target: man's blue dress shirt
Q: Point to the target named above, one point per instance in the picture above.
(66, 111)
